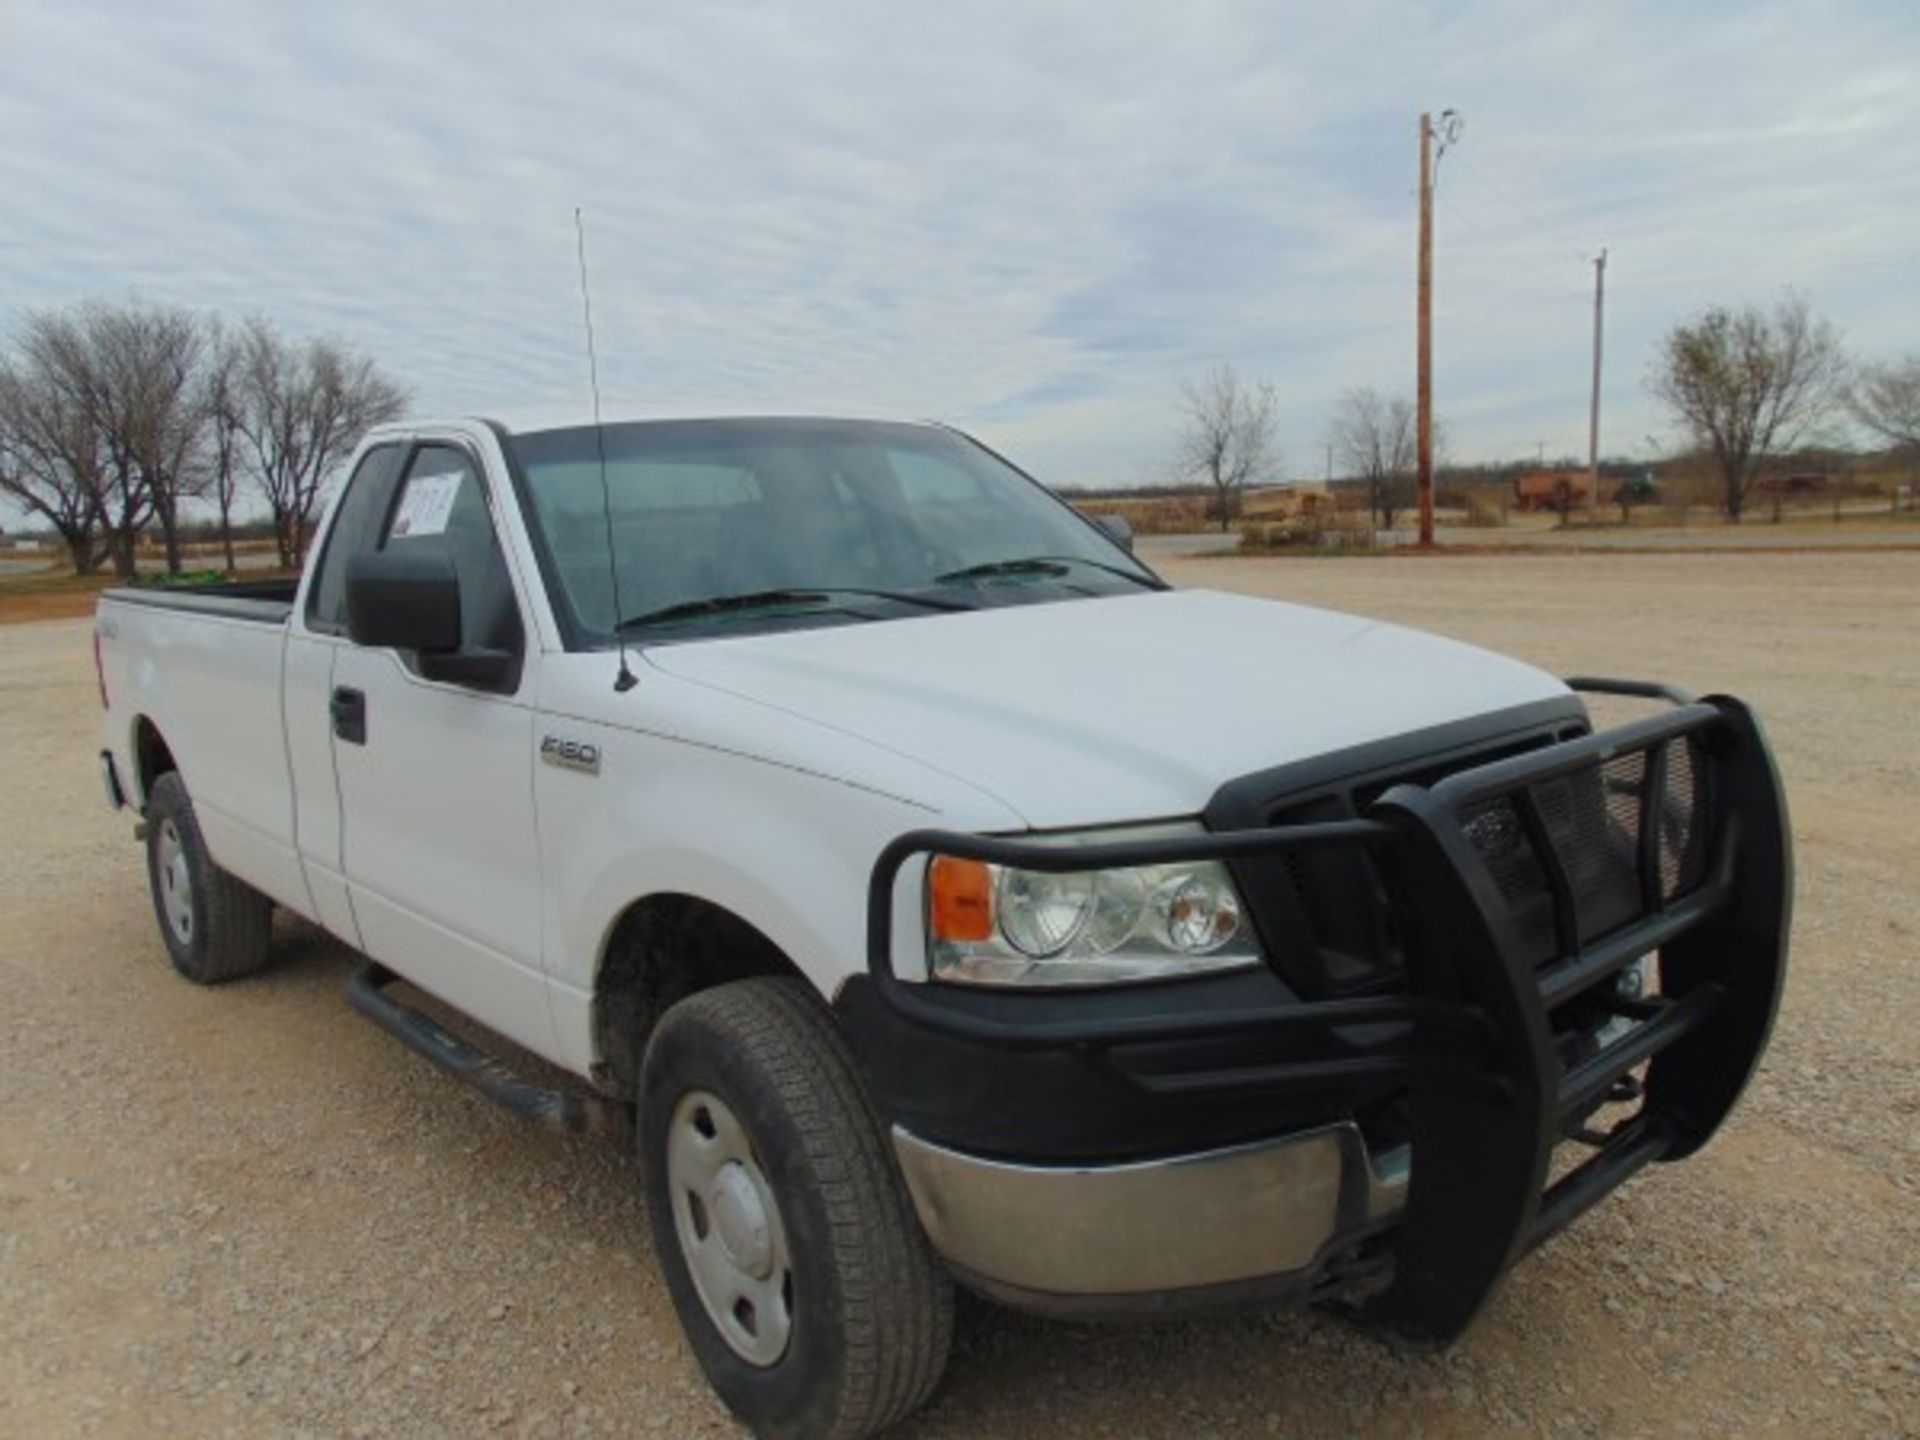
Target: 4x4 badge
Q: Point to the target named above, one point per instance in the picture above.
(571, 754)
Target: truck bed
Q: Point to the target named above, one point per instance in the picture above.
(267, 602)
(198, 670)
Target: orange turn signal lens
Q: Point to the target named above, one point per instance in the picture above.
(959, 899)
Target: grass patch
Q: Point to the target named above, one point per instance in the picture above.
(186, 579)
(54, 593)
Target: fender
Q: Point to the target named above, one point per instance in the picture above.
(766, 842)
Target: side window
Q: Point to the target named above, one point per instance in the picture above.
(356, 530)
(443, 510)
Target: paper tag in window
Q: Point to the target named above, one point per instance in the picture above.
(425, 506)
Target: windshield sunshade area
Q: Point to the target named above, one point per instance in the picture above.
(729, 525)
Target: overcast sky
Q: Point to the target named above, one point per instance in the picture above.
(1031, 220)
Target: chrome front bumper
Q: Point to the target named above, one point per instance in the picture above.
(1211, 1220)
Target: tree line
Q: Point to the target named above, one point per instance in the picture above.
(1747, 385)
(116, 418)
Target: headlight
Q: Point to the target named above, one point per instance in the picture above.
(999, 925)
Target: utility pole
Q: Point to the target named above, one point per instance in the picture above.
(1593, 412)
(1448, 131)
(1423, 363)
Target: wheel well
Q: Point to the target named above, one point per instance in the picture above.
(151, 757)
(663, 949)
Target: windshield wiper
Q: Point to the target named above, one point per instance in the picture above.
(1043, 565)
(763, 599)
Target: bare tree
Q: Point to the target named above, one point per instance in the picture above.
(1228, 437)
(1748, 385)
(113, 417)
(1885, 398)
(121, 378)
(50, 460)
(301, 409)
(57, 348)
(1374, 438)
(219, 400)
(146, 360)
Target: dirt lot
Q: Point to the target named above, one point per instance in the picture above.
(249, 1212)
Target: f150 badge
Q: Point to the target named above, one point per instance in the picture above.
(571, 754)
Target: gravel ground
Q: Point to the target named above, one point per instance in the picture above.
(248, 1212)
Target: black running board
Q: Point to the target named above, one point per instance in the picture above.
(550, 1108)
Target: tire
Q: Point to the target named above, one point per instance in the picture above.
(215, 928)
(791, 1168)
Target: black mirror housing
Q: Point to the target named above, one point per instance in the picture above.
(1118, 529)
(407, 602)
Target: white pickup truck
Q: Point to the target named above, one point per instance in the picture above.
(944, 897)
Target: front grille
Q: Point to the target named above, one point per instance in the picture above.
(1325, 914)
(1500, 835)
(1596, 820)
(1684, 819)
(1589, 820)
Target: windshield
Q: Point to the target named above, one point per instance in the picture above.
(796, 522)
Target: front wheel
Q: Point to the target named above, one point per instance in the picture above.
(786, 1236)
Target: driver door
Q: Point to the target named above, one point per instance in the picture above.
(436, 785)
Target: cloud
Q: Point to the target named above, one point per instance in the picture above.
(1034, 221)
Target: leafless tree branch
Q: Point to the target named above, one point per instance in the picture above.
(1228, 437)
(299, 411)
(1374, 436)
(49, 460)
(1885, 398)
(1749, 385)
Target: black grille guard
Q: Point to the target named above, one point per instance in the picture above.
(1489, 1097)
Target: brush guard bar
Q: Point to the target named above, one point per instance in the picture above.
(1490, 1092)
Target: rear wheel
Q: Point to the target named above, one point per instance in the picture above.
(786, 1236)
(215, 927)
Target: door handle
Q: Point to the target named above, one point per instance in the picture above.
(349, 710)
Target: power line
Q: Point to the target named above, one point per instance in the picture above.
(1521, 211)
(1497, 252)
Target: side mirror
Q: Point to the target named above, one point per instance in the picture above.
(407, 602)
(412, 602)
(1118, 530)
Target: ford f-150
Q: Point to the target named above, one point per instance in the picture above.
(940, 896)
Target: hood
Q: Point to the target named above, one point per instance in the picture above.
(1135, 707)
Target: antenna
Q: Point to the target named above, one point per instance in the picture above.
(626, 679)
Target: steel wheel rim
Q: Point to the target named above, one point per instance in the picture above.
(727, 1220)
(176, 882)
